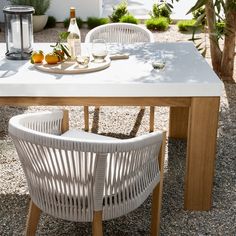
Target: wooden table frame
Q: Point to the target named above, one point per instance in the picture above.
(194, 118)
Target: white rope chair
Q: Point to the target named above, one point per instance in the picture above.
(120, 33)
(84, 177)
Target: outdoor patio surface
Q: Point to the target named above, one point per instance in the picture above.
(127, 122)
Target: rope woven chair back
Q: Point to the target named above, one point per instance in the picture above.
(120, 33)
(70, 178)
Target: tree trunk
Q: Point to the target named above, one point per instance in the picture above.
(227, 63)
(216, 53)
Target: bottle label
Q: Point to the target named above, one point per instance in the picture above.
(74, 48)
(77, 47)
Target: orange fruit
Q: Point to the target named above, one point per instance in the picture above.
(52, 58)
(37, 57)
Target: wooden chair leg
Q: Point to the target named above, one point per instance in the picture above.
(157, 193)
(97, 223)
(86, 118)
(156, 211)
(65, 121)
(152, 116)
(32, 219)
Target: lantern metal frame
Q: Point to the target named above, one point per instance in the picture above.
(18, 11)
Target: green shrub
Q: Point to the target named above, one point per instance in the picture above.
(187, 25)
(161, 23)
(155, 11)
(66, 22)
(220, 27)
(165, 11)
(119, 11)
(51, 23)
(93, 22)
(129, 19)
(40, 7)
(161, 10)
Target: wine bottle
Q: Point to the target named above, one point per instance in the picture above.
(73, 39)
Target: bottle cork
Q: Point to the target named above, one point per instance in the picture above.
(72, 12)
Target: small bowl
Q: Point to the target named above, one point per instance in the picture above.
(83, 61)
(158, 65)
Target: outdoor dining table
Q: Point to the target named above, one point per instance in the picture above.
(187, 85)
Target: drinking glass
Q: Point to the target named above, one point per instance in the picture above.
(99, 50)
(84, 58)
(160, 60)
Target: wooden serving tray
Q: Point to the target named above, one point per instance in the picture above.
(72, 67)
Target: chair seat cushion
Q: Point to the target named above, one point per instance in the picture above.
(74, 133)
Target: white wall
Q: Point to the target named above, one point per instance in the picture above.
(84, 8)
(181, 8)
(60, 9)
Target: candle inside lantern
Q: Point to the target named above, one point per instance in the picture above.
(16, 36)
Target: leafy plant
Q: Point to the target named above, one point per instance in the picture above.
(119, 11)
(129, 19)
(200, 14)
(222, 57)
(93, 22)
(220, 28)
(188, 25)
(161, 10)
(51, 22)
(161, 23)
(155, 11)
(79, 21)
(165, 11)
(60, 46)
(40, 7)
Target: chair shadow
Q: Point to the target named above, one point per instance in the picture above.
(133, 132)
(15, 209)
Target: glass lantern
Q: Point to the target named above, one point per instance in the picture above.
(18, 32)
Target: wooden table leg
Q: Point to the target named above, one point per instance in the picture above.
(201, 148)
(86, 118)
(152, 119)
(178, 122)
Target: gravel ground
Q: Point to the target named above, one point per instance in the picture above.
(128, 122)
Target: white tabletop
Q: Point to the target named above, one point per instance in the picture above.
(186, 74)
